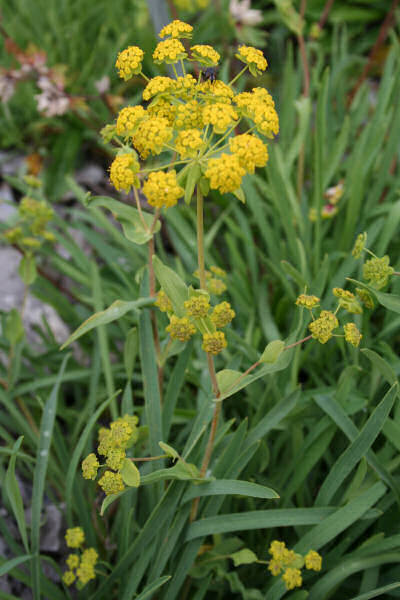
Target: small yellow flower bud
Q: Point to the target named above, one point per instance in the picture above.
(313, 560)
(292, 578)
(214, 343)
(111, 483)
(359, 245)
(197, 306)
(74, 537)
(180, 328)
(72, 561)
(68, 578)
(222, 314)
(352, 334)
(90, 466)
(307, 301)
(163, 302)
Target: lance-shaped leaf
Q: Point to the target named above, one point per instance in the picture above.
(172, 285)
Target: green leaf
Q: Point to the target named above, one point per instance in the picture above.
(230, 487)
(117, 310)
(130, 473)
(14, 494)
(131, 348)
(169, 450)
(383, 367)
(182, 470)
(39, 477)
(357, 449)
(108, 500)
(193, 176)
(152, 587)
(390, 301)
(14, 329)
(243, 557)
(12, 563)
(172, 285)
(27, 269)
(272, 352)
(377, 591)
(136, 226)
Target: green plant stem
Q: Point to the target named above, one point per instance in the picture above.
(149, 458)
(237, 76)
(152, 284)
(306, 93)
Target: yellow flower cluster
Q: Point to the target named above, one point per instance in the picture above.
(220, 115)
(291, 563)
(377, 271)
(225, 173)
(359, 245)
(307, 301)
(197, 306)
(214, 280)
(163, 302)
(128, 118)
(205, 55)
(74, 537)
(252, 57)
(347, 300)
(123, 172)
(214, 343)
(176, 29)
(113, 443)
(352, 334)
(129, 62)
(322, 328)
(162, 189)
(250, 150)
(80, 566)
(222, 314)
(151, 136)
(365, 298)
(194, 118)
(180, 328)
(188, 142)
(30, 231)
(169, 51)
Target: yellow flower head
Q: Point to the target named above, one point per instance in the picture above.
(205, 55)
(105, 441)
(225, 173)
(216, 91)
(313, 560)
(307, 301)
(220, 115)
(254, 58)
(292, 578)
(277, 550)
(347, 300)
(365, 298)
(74, 537)
(188, 116)
(152, 136)
(197, 306)
(85, 573)
(251, 151)
(68, 578)
(188, 143)
(359, 245)
(377, 271)
(214, 343)
(115, 458)
(180, 328)
(158, 85)
(123, 172)
(14, 235)
(169, 51)
(162, 108)
(222, 314)
(128, 118)
(129, 62)
(72, 561)
(111, 483)
(352, 334)
(322, 328)
(183, 87)
(176, 29)
(89, 557)
(216, 286)
(275, 566)
(121, 433)
(162, 189)
(163, 302)
(266, 119)
(90, 466)
(217, 271)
